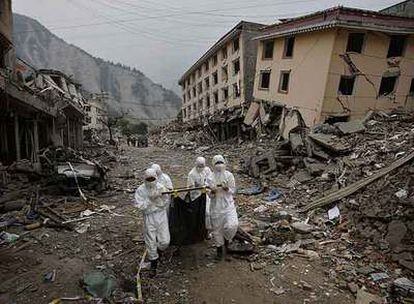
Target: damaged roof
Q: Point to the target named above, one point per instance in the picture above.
(340, 16)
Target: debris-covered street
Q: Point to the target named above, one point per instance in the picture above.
(361, 248)
(206, 152)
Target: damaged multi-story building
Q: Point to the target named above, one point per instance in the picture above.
(37, 108)
(337, 64)
(97, 111)
(219, 84)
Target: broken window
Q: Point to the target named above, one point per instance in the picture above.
(199, 73)
(236, 91)
(224, 73)
(355, 42)
(289, 44)
(215, 97)
(184, 113)
(194, 92)
(236, 66)
(206, 67)
(184, 98)
(411, 88)
(265, 79)
(236, 44)
(215, 78)
(224, 53)
(208, 101)
(268, 49)
(397, 45)
(346, 85)
(225, 93)
(200, 88)
(387, 85)
(284, 81)
(215, 60)
(189, 95)
(207, 82)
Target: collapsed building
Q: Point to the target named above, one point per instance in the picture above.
(337, 64)
(329, 66)
(38, 108)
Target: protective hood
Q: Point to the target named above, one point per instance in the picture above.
(200, 163)
(157, 169)
(150, 173)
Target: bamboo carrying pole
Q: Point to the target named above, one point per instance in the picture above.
(138, 278)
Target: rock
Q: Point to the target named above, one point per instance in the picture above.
(281, 215)
(364, 297)
(306, 285)
(396, 233)
(352, 287)
(302, 227)
(365, 270)
(407, 264)
(401, 194)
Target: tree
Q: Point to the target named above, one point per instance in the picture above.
(110, 122)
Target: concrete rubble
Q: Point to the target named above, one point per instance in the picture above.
(362, 239)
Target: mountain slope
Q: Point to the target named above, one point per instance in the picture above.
(132, 91)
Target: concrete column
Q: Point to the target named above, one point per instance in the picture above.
(68, 131)
(36, 139)
(16, 136)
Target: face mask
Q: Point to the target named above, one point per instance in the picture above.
(150, 184)
(199, 169)
(220, 167)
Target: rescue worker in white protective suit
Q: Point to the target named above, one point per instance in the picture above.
(223, 212)
(198, 177)
(149, 199)
(164, 180)
(162, 177)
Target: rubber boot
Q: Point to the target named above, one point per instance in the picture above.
(154, 264)
(220, 253)
(226, 251)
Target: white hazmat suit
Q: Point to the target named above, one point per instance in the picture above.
(198, 177)
(149, 199)
(223, 212)
(163, 178)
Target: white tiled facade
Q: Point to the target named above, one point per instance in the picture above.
(218, 81)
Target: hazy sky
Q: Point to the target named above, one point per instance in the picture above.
(162, 38)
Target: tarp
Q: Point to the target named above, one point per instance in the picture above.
(187, 220)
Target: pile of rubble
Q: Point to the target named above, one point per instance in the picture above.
(180, 135)
(342, 193)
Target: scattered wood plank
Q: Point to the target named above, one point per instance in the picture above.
(138, 279)
(344, 192)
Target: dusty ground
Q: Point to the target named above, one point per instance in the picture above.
(114, 244)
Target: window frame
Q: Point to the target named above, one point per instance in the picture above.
(264, 49)
(225, 91)
(393, 89)
(403, 49)
(215, 77)
(234, 66)
(261, 79)
(362, 43)
(236, 90)
(285, 47)
(353, 84)
(283, 72)
(235, 50)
